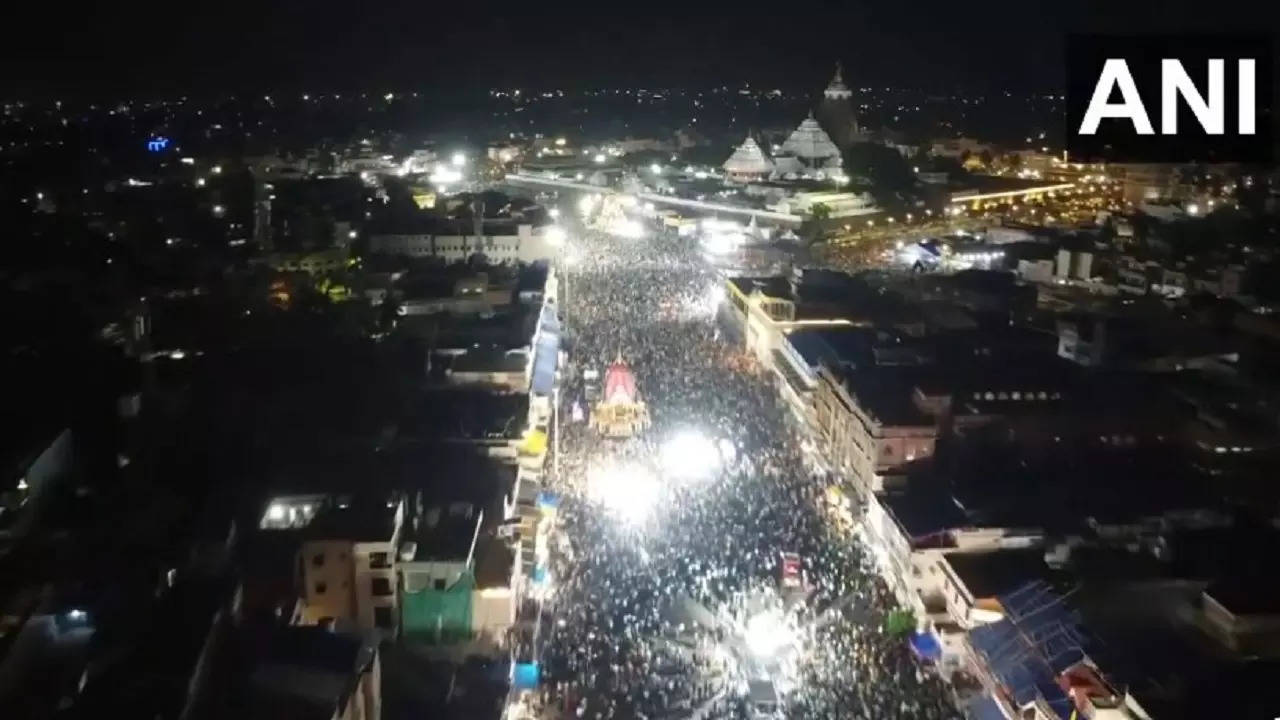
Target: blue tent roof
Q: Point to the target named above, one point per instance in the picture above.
(1039, 638)
(526, 676)
(926, 645)
(549, 321)
(984, 707)
(546, 354)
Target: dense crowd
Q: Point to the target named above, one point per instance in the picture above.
(647, 616)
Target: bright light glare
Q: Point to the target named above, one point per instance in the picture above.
(629, 491)
(630, 229)
(720, 243)
(656, 169)
(767, 633)
(554, 212)
(599, 159)
(689, 455)
(459, 159)
(275, 511)
(444, 175)
(555, 235)
(715, 296)
(586, 204)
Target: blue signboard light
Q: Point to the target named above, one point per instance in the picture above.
(157, 144)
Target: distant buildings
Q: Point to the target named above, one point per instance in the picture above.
(500, 243)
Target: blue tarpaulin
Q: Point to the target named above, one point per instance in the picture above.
(545, 357)
(926, 645)
(984, 707)
(546, 498)
(526, 676)
(1039, 638)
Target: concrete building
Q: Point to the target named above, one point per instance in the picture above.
(460, 579)
(870, 425)
(260, 672)
(500, 242)
(347, 561)
(1244, 615)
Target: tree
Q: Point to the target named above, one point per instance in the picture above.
(900, 623)
(891, 177)
(820, 212)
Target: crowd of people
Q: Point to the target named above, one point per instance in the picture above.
(647, 616)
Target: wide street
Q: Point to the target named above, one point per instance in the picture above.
(666, 592)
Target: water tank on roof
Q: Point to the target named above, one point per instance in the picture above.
(408, 549)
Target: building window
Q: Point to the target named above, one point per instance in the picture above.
(439, 583)
(382, 618)
(381, 587)
(317, 560)
(321, 587)
(380, 560)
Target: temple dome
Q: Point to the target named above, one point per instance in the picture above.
(748, 160)
(837, 90)
(810, 143)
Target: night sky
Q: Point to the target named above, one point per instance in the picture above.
(165, 48)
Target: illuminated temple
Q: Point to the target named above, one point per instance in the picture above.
(813, 150)
(621, 412)
(748, 162)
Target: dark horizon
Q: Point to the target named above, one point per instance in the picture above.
(145, 49)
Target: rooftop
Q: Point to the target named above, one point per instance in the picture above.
(885, 393)
(988, 574)
(467, 414)
(302, 673)
(366, 518)
(771, 286)
(490, 360)
(445, 532)
(1255, 595)
(924, 509)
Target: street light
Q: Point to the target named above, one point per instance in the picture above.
(459, 159)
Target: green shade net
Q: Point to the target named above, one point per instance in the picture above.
(438, 617)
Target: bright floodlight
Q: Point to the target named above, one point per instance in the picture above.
(767, 633)
(459, 159)
(554, 212)
(599, 158)
(715, 296)
(629, 229)
(555, 235)
(627, 490)
(656, 169)
(690, 454)
(586, 204)
(445, 175)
